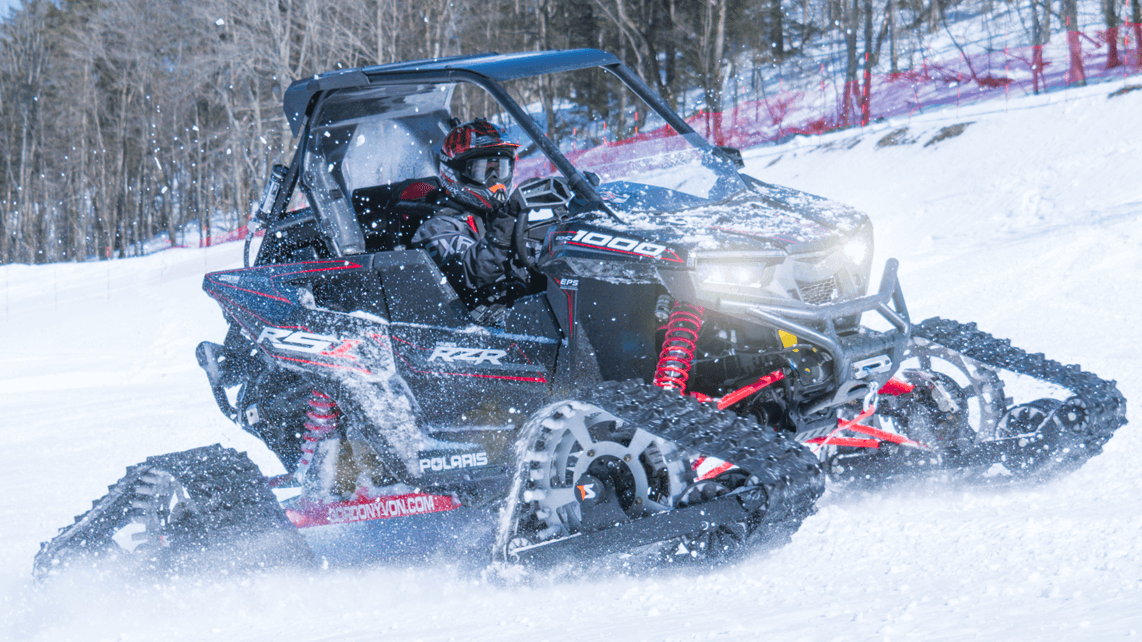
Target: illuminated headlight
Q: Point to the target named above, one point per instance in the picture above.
(858, 247)
(857, 250)
(735, 274)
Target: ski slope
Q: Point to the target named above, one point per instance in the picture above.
(1029, 222)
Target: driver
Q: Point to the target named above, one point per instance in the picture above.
(470, 235)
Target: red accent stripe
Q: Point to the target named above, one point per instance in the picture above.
(482, 376)
(472, 224)
(717, 471)
(896, 387)
(340, 265)
(742, 393)
(224, 300)
(522, 354)
(882, 435)
(379, 337)
(249, 291)
(342, 351)
(855, 426)
(318, 363)
(850, 442)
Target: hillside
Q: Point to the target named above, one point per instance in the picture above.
(1028, 221)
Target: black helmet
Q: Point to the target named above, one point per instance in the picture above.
(476, 164)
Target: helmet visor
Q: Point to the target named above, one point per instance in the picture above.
(489, 170)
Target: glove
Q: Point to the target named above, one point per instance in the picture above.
(501, 224)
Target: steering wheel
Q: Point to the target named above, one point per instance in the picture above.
(532, 195)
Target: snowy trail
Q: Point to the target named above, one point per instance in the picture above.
(1029, 222)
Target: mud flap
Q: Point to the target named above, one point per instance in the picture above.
(211, 358)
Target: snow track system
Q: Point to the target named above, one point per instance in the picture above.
(964, 422)
(612, 471)
(204, 509)
(1046, 436)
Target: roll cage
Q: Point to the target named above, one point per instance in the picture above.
(305, 99)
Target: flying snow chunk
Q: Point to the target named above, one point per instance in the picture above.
(220, 22)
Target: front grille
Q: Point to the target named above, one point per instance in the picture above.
(819, 292)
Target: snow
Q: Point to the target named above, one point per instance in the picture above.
(1028, 222)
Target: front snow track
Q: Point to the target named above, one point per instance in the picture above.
(207, 509)
(607, 473)
(1065, 435)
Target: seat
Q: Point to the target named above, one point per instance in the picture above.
(390, 214)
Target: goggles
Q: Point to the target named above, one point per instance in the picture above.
(489, 170)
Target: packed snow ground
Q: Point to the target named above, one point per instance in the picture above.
(1028, 222)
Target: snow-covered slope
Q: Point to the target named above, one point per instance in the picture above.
(1028, 222)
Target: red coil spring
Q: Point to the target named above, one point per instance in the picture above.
(320, 424)
(678, 346)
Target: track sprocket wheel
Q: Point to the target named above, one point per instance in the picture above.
(587, 469)
(956, 404)
(770, 491)
(964, 399)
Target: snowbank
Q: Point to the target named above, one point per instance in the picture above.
(1028, 221)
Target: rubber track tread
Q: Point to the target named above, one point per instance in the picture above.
(239, 517)
(1103, 404)
(790, 474)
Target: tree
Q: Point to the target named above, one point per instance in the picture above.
(126, 118)
(850, 19)
(1070, 15)
(1040, 32)
(1136, 27)
(1111, 36)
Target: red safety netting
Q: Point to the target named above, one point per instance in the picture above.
(830, 105)
(239, 234)
(971, 77)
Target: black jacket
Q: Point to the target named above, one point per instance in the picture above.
(481, 271)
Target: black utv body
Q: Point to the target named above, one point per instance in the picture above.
(689, 365)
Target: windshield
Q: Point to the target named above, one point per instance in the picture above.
(363, 138)
(602, 127)
(375, 136)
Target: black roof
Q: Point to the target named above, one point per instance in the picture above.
(498, 67)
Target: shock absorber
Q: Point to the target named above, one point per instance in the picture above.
(320, 424)
(678, 346)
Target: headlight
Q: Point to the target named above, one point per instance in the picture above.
(736, 274)
(858, 250)
(858, 247)
(742, 275)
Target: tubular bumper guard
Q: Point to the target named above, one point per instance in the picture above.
(862, 359)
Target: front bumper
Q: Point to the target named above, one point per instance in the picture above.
(863, 360)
